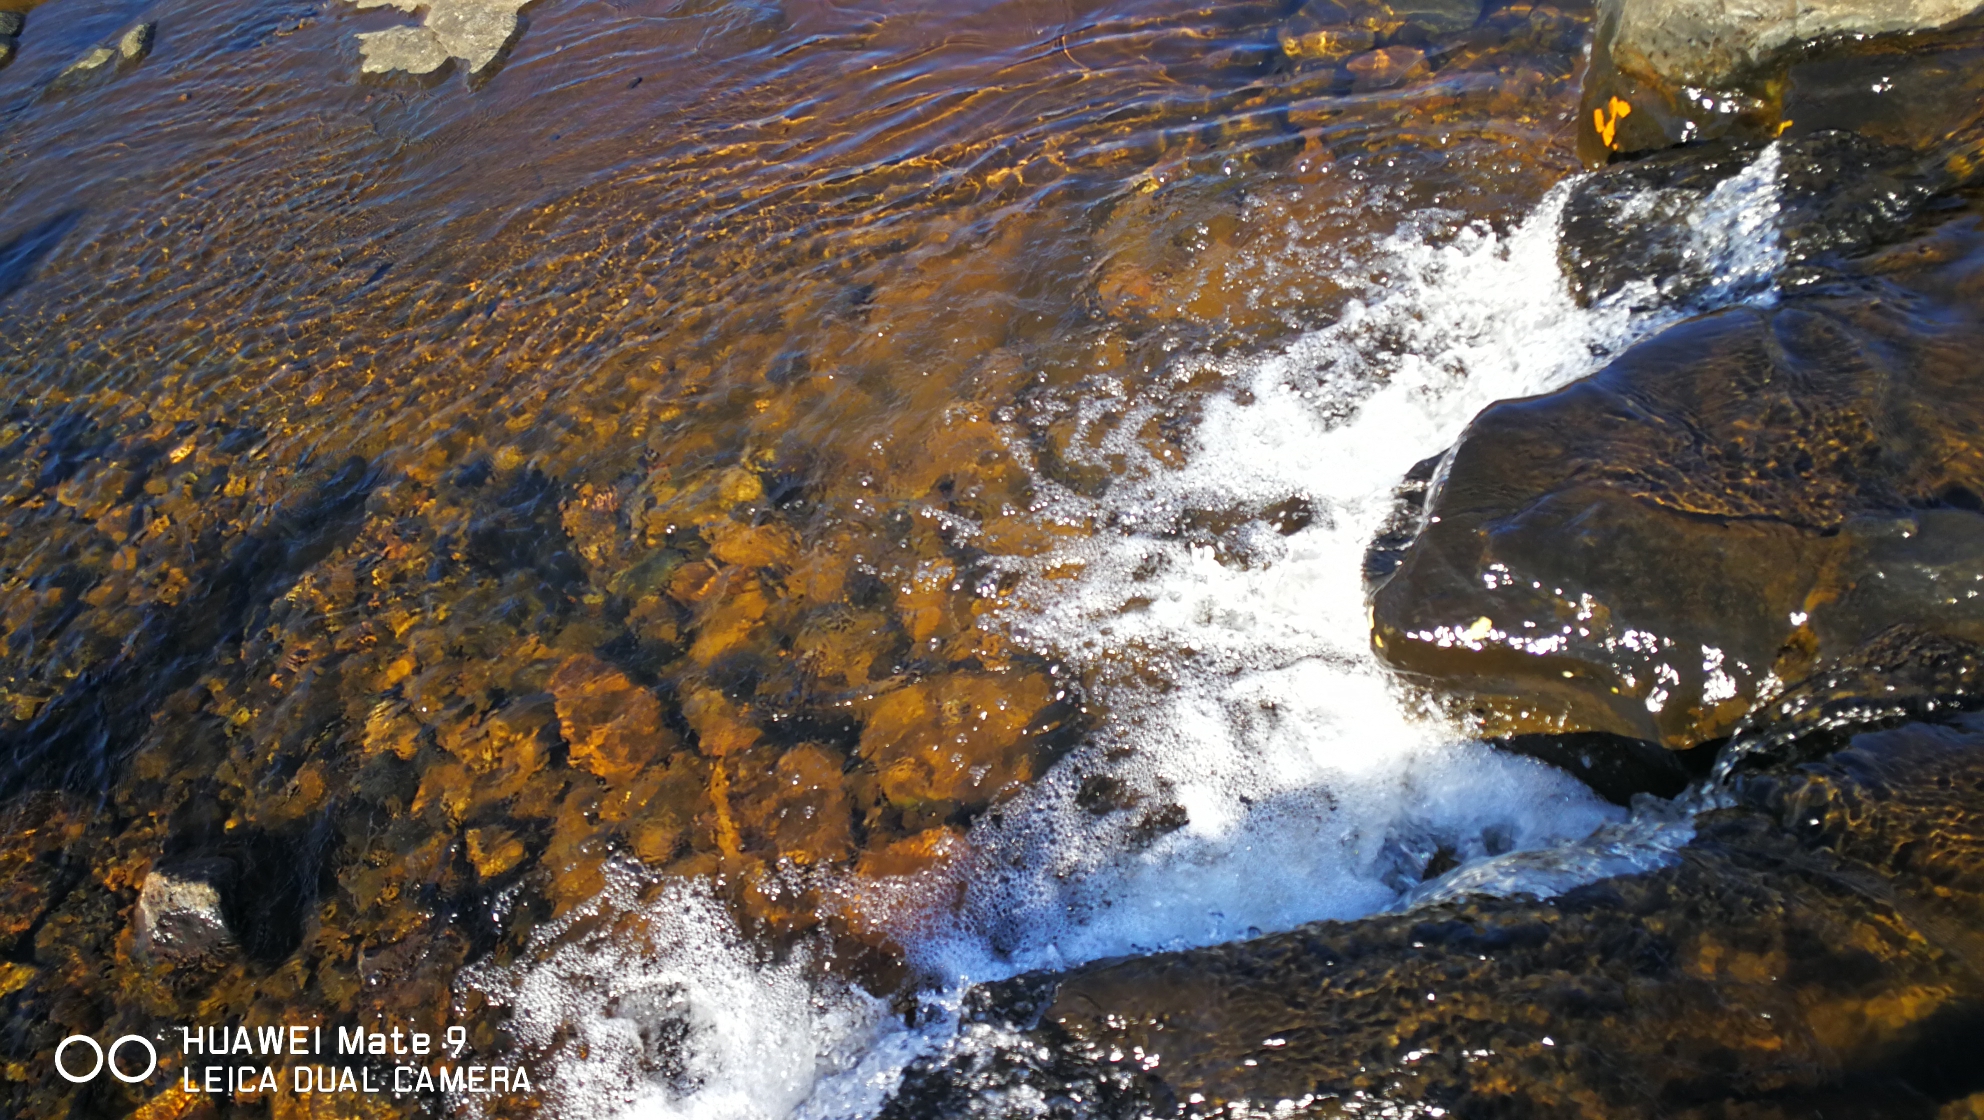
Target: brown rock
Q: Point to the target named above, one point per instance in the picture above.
(753, 546)
(956, 741)
(1383, 69)
(493, 851)
(1735, 502)
(612, 725)
(805, 815)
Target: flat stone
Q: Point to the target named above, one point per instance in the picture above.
(179, 918)
(412, 50)
(95, 62)
(474, 31)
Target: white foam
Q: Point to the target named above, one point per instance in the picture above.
(659, 1007)
(1239, 687)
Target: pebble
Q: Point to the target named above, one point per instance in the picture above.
(179, 917)
(1383, 69)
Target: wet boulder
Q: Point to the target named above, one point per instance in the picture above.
(1813, 950)
(1666, 72)
(1702, 225)
(1726, 507)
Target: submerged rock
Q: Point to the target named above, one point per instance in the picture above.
(99, 63)
(1814, 947)
(179, 919)
(475, 31)
(1393, 66)
(1726, 507)
(95, 63)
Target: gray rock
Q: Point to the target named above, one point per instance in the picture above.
(475, 31)
(94, 64)
(11, 24)
(137, 42)
(179, 919)
(1706, 43)
(1667, 72)
(102, 62)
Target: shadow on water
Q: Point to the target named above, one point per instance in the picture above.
(75, 741)
(20, 257)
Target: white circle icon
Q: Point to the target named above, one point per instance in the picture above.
(70, 1041)
(110, 1059)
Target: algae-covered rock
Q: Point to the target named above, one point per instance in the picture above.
(1812, 951)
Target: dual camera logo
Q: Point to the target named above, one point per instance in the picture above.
(105, 1058)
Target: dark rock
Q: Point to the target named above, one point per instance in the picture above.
(11, 24)
(1745, 498)
(1630, 224)
(1617, 769)
(179, 919)
(100, 63)
(1838, 195)
(1667, 72)
(1814, 950)
(1387, 549)
(1903, 673)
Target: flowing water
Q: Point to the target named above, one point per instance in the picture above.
(1064, 356)
(1240, 690)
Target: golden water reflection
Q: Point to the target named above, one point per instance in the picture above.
(416, 490)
